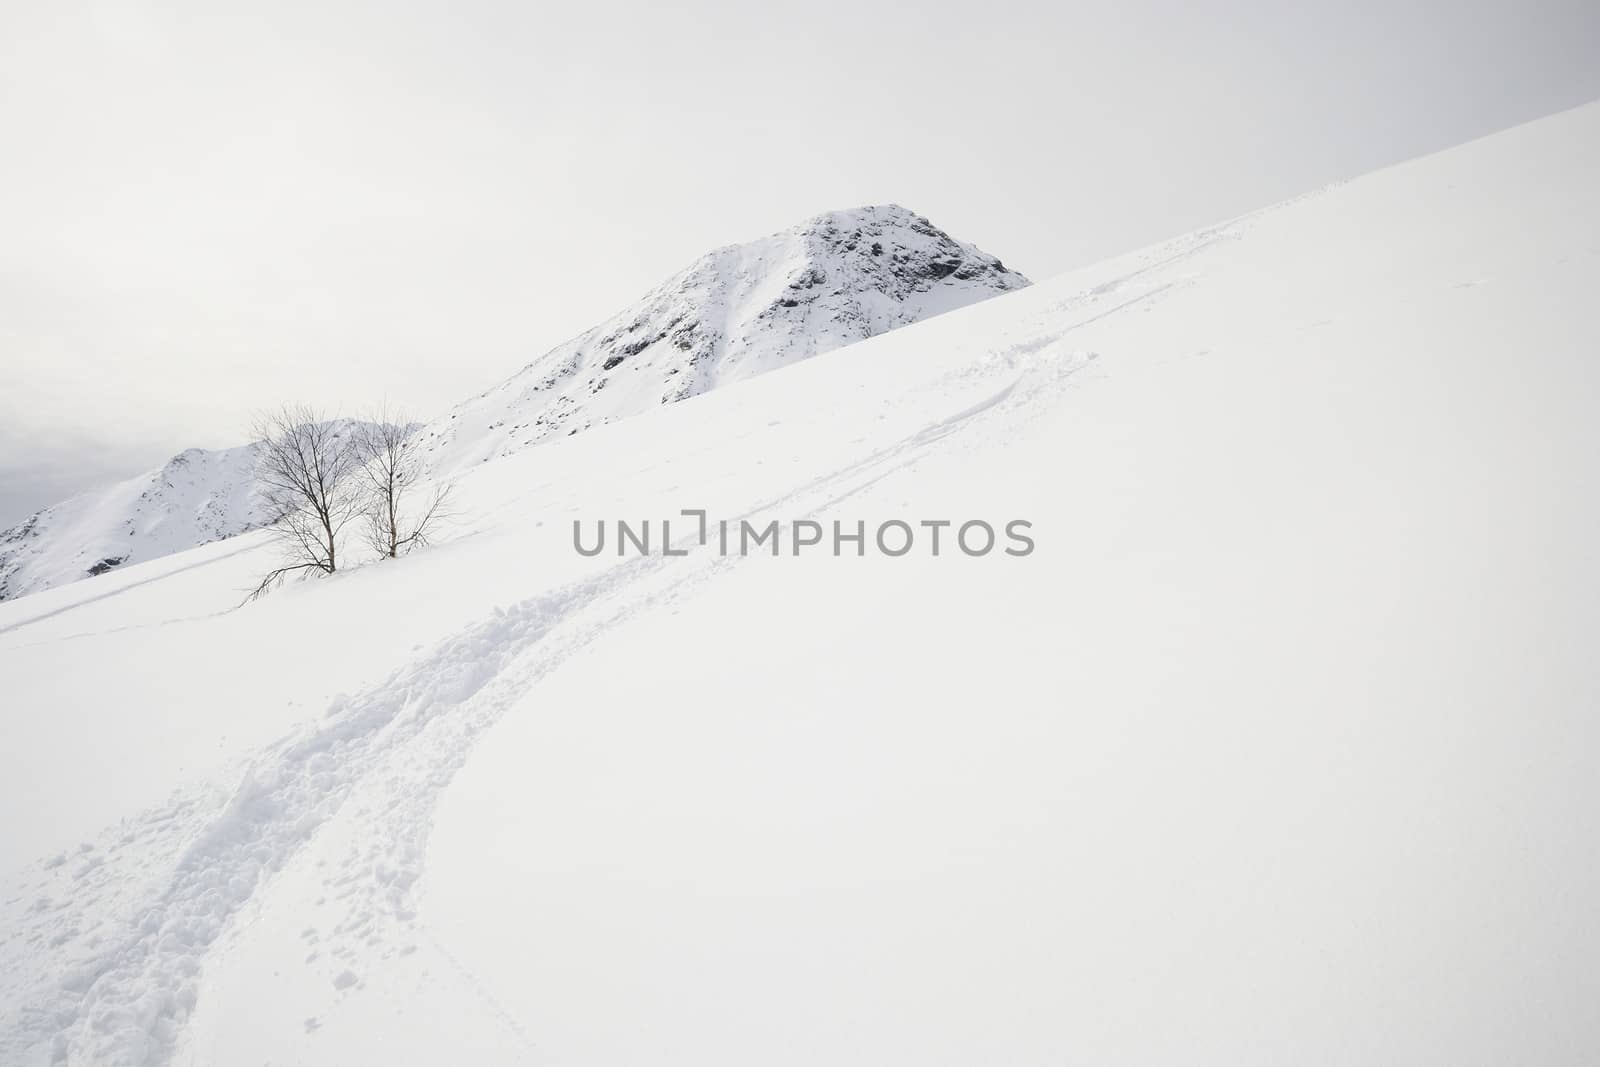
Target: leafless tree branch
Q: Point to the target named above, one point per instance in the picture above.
(401, 512)
(308, 477)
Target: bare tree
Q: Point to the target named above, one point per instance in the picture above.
(400, 512)
(308, 475)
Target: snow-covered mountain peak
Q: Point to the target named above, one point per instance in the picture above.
(734, 313)
(198, 495)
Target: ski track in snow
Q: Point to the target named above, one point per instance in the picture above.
(136, 913)
(119, 590)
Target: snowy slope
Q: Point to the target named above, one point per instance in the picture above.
(734, 313)
(1276, 749)
(200, 495)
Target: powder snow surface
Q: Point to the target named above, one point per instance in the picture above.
(1278, 749)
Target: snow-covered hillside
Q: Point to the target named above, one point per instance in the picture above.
(1276, 749)
(199, 496)
(733, 314)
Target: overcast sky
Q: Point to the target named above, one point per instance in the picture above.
(207, 207)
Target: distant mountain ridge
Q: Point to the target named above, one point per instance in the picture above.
(198, 496)
(734, 313)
